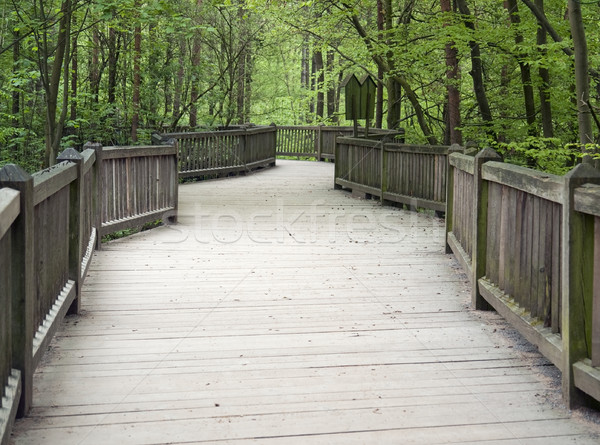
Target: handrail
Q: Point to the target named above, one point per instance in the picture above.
(530, 243)
(400, 173)
(50, 224)
(209, 154)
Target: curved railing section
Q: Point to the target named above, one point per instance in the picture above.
(221, 153)
(406, 174)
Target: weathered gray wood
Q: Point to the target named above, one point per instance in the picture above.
(549, 344)
(61, 306)
(76, 227)
(137, 151)
(450, 195)
(544, 185)
(89, 157)
(462, 162)
(596, 298)
(586, 377)
(48, 182)
(480, 222)
(587, 199)
(577, 278)
(9, 208)
(8, 407)
(23, 279)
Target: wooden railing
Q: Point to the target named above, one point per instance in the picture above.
(530, 242)
(247, 147)
(220, 153)
(318, 141)
(140, 186)
(50, 224)
(407, 174)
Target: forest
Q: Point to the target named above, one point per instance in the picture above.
(521, 76)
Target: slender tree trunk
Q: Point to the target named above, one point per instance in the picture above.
(379, 99)
(319, 79)
(95, 65)
(168, 79)
(582, 82)
(394, 89)
(380, 73)
(305, 66)
(137, 56)
(74, 74)
(477, 70)
(196, 48)
(113, 60)
(177, 99)
(544, 73)
(331, 93)
(60, 68)
(528, 95)
(453, 77)
(16, 95)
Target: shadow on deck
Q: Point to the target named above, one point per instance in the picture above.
(279, 310)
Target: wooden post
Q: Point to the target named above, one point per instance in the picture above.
(319, 142)
(454, 148)
(75, 224)
(274, 148)
(480, 211)
(97, 190)
(242, 147)
(596, 304)
(577, 279)
(23, 280)
(384, 175)
(175, 185)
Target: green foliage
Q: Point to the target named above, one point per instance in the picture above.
(239, 61)
(545, 154)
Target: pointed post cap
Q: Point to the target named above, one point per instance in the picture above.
(11, 173)
(70, 154)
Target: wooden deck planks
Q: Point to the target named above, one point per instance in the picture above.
(279, 310)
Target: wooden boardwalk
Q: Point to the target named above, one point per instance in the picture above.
(281, 311)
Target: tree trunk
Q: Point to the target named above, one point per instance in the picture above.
(528, 96)
(544, 73)
(582, 82)
(168, 80)
(453, 77)
(394, 91)
(305, 67)
(380, 73)
(331, 93)
(95, 65)
(113, 60)
(319, 79)
(51, 80)
(477, 70)
(16, 95)
(177, 99)
(137, 56)
(196, 48)
(74, 75)
(379, 99)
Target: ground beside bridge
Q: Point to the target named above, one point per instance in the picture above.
(281, 311)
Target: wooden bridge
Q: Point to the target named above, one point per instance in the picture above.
(281, 310)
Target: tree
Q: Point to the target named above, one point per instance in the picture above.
(582, 82)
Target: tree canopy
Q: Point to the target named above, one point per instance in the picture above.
(520, 75)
